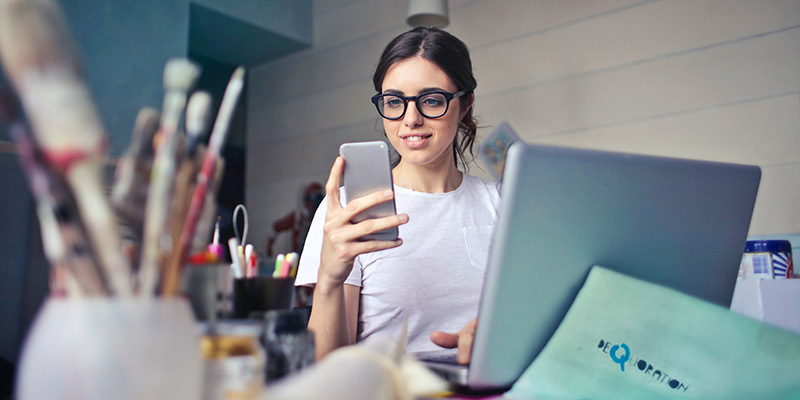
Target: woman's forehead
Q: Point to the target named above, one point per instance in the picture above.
(415, 74)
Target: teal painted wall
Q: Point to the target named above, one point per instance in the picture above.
(124, 45)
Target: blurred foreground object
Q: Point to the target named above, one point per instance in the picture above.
(166, 182)
(375, 369)
(122, 349)
(39, 58)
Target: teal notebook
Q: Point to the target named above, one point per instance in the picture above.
(624, 338)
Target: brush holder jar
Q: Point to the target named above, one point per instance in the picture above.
(111, 349)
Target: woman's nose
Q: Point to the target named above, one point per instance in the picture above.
(413, 117)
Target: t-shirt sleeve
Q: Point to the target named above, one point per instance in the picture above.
(312, 250)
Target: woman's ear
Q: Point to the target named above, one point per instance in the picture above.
(468, 107)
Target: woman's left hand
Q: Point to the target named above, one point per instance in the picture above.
(461, 339)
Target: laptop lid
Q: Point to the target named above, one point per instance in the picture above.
(678, 223)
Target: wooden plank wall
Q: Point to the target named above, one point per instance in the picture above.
(709, 79)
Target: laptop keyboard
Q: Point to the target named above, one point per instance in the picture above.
(448, 356)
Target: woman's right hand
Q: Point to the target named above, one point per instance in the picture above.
(340, 244)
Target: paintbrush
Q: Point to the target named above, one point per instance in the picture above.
(132, 176)
(198, 117)
(63, 239)
(179, 77)
(205, 222)
(204, 178)
(198, 113)
(41, 63)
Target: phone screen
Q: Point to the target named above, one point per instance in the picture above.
(367, 169)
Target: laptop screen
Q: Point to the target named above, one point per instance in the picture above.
(675, 222)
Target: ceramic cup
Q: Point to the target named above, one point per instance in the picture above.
(111, 349)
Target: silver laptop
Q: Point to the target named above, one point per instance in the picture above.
(674, 222)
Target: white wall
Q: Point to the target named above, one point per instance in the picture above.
(709, 79)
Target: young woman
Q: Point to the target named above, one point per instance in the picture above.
(432, 276)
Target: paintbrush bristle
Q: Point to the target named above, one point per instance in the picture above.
(198, 113)
(180, 74)
(37, 51)
(144, 128)
(33, 36)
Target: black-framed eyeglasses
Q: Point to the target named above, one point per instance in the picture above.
(429, 104)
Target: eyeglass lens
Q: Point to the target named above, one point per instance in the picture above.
(431, 105)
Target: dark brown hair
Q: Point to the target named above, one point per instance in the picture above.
(449, 54)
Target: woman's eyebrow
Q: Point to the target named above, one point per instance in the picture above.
(423, 90)
(432, 89)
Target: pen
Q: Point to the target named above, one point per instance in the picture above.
(248, 255)
(255, 264)
(214, 248)
(233, 246)
(278, 263)
(293, 260)
(242, 260)
(286, 267)
(216, 232)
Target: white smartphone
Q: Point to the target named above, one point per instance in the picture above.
(367, 169)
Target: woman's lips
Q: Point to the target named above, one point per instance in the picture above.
(416, 141)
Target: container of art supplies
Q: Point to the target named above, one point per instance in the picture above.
(289, 345)
(209, 288)
(261, 293)
(767, 259)
(103, 348)
(233, 360)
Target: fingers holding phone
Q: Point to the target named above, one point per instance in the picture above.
(332, 186)
(367, 170)
(341, 228)
(368, 190)
(369, 221)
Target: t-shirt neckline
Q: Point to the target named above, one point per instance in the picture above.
(453, 192)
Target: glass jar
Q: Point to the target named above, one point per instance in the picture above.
(233, 360)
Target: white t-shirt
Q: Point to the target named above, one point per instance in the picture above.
(435, 277)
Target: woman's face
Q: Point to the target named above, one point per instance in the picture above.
(420, 140)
